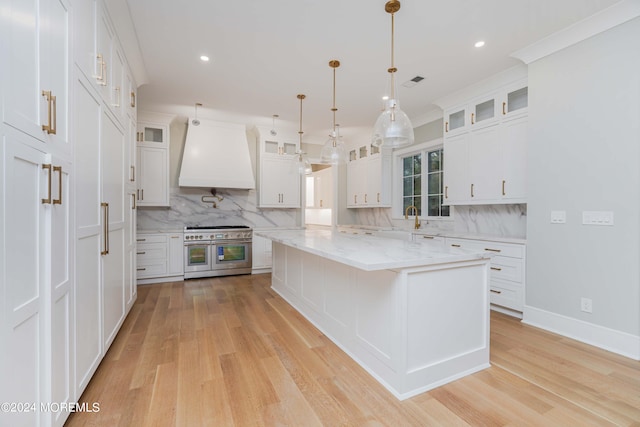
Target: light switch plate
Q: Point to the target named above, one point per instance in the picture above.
(597, 218)
(558, 217)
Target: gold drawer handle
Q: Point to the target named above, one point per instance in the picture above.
(496, 292)
(141, 240)
(141, 269)
(58, 201)
(140, 253)
(428, 237)
(455, 246)
(446, 126)
(492, 250)
(47, 201)
(496, 268)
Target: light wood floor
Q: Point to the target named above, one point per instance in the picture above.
(229, 351)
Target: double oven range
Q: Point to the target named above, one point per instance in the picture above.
(217, 250)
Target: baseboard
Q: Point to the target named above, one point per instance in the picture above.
(622, 343)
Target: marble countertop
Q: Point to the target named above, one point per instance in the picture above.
(161, 231)
(369, 253)
(440, 233)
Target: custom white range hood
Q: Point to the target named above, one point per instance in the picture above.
(216, 155)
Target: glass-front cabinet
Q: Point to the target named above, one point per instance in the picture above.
(152, 134)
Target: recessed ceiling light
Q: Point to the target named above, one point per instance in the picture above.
(204, 58)
(479, 43)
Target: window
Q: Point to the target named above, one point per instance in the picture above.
(434, 184)
(422, 181)
(412, 182)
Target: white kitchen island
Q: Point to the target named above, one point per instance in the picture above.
(414, 316)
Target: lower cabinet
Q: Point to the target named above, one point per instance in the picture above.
(261, 255)
(159, 257)
(507, 271)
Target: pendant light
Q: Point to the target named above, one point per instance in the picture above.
(273, 125)
(302, 163)
(393, 128)
(333, 150)
(195, 120)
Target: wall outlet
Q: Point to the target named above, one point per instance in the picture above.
(558, 217)
(586, 305)
(597, 218)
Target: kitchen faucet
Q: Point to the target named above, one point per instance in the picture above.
(406, 216)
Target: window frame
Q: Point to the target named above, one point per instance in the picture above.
(397, 192)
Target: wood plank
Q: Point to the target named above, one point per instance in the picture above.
(230, 352)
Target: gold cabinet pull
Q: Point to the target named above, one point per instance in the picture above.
(141, 240)
(54, 123)
(378, 197)
(103, 82)
(320, 202)
(504, 111)
(140, 253)
(133, 99)
(58, 201)
(365, 198)
(495, 292)
(141, 269)
(100, 62)
(133, 196)
(503, 183)
(446, 126)
(47, 201)
(133, 174)
(472, 190)
(50, 127)
(428, 237)
(105, 228)
(492, 250)
(455, 245)
(117, 91)
(496, 268)
(355, 199)
(446, 191)
(142, 194)
(472, 117)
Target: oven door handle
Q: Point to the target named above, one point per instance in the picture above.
(197, 244)
(228, 242)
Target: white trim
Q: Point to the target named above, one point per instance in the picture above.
(397, 190)
(604, 20)
(608, 339)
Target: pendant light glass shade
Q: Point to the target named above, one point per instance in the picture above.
(392, 128)
(301, 163)
(333, 151)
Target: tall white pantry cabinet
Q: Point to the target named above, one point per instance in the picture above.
(67, 200)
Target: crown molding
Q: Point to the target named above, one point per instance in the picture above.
(604, 20)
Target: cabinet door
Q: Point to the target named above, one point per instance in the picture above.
(455, 120)
(485, 164)
(61, 297)
(103, 48)
(24, 280)
(357, 183)
(112, 161)
(117, 79)
(152, 135)
(153, 185)
(484, 111)
(378, 181)
(279, 183)
(456, 173)
(130, 290)
(87, 113)
(324, 188)
(514, 160)
(175, 264)
(515, 100)
(36, 83)
(85, 33)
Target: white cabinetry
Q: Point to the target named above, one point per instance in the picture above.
(159, 256)
(279, 181)
(261, 254)
(322, 189)
(507, 271)
(368, 178)
(36, 79)
(153, 164)
(485, 148)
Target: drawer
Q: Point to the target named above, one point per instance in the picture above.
(145, 252)
(506, 295)
(511, 250)
(151, 238)
(507, 269)
(152, 268)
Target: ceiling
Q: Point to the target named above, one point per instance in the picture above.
(265, 53)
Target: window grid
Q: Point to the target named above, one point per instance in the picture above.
(412, 183)
(435, 184)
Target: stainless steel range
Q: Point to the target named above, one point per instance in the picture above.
(217, 250)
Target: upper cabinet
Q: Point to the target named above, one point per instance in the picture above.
(36, 92)
(368, 177)
(485, 142)
(488, 109)
(278, 178)
(152, 159)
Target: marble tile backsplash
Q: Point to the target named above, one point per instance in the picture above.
(493, 220)
(237, 207)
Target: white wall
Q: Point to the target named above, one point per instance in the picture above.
(584, 153)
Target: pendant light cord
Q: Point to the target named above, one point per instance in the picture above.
(300, 132)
